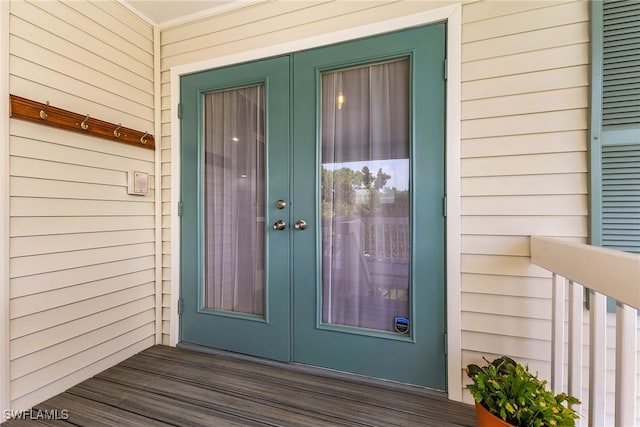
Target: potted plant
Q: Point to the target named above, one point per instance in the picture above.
(514, 396)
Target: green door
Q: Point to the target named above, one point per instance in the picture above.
(354, 280)
(235, 272)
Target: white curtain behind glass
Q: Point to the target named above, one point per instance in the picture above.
(234, 200)
(365, 195)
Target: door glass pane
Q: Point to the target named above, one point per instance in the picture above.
(234, 229)
(365, 196)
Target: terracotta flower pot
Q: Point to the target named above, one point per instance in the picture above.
(487, 419)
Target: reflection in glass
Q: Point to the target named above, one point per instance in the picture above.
(234, 200)
(365, 195)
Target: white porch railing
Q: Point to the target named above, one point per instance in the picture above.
(605, 273)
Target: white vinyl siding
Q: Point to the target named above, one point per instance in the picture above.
(82, 280)
(525, 76)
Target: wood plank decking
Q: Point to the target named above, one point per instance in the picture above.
(180, 387)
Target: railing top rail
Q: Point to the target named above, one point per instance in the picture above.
(609, 272)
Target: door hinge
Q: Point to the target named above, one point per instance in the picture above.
(179, 110)
(446, 344)
(180, 305)
(180, 208)
(444, 206)
(446, 69)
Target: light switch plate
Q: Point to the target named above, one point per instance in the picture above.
(138, 183)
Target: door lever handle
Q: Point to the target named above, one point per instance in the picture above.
(279, 225)
(300, 224)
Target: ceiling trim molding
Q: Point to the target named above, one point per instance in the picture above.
(126, 5)
(206, 13)
(237, 4)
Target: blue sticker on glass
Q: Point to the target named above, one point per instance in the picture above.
(401, 325)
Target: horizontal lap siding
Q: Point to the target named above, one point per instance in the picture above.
(524, 167)
(82, 278)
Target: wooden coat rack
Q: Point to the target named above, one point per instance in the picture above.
(26, 109)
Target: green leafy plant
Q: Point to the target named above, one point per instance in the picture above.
(509, 391)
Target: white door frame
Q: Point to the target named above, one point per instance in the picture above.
(452, 14)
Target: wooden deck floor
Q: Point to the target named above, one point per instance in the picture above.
(181, 387)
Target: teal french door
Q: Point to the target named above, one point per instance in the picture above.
(235, 148)
(312, 223)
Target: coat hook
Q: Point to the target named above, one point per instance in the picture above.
(84, 124)
(143, 138)
(43, 113)
(116, 132)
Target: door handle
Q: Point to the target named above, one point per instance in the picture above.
(279, 225)
(300, 224)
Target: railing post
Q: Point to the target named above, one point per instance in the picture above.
(557, 333)
(626, 355)
(576, 293)
(597, 359)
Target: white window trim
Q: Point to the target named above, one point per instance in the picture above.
(453, 15)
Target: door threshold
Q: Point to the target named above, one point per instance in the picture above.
(322, 372)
